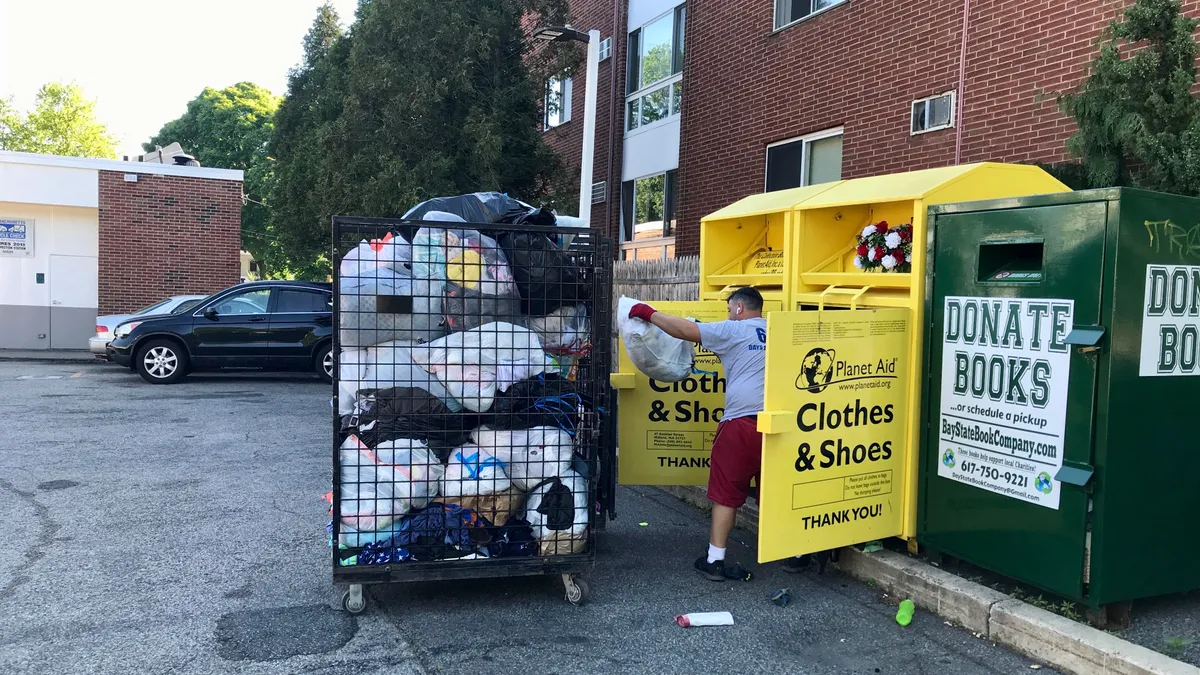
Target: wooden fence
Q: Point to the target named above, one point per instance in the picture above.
(657, 280)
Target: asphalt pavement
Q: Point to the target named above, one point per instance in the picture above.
(182, 530)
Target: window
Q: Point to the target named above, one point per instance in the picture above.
(302, 302)
(933, 113)
(648, 207)
(654, 76)
(808, 160)
(558, 101)
(246, 302)
(186, 306)
(791, 11)
(152, 308)
(605, 48)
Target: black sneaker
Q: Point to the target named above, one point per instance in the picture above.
(796, 565)
(737, 573)
(713, 571)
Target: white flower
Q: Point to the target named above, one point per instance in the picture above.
(871, 254)
(858, 262)
(892, 240)
(888, 262)
(868, 231)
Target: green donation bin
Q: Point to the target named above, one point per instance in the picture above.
(1062, 406)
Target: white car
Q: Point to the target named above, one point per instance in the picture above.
(105, 325)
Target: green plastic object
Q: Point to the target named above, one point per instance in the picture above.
(904, 615)
(1068, 487)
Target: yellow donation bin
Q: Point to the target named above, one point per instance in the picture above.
(841, 409)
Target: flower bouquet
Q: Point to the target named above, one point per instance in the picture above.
(886, 247)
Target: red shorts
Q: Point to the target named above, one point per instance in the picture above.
(736, 458)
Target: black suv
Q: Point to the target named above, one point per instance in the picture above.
(268, 325)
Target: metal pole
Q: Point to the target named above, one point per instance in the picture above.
(589, 128)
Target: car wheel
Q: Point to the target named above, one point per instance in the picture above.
(161, 362)
(324, 363)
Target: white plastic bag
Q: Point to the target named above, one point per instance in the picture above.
(383, 267)
(383, 367)
(472, 471)
(530, 456)
(566, 328)
(658, 355)
(378, 486)
(474, 365)
(544, 524)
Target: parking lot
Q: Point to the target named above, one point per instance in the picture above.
(182, 530)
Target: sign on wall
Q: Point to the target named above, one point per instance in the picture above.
(834, 475)
(1005, 374)
(1170, 321)
(16, 238)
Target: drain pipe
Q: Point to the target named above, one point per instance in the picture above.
(962, 83)
(614, 112)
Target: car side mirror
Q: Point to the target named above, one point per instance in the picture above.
(210, 314)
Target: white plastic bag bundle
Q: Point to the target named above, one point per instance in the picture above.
(383, 267)
(471, 471)
(547, 507)
(530, 455)
(378, 486)
(383, 367)
(476, 364)
(658, 355)
(566, 328)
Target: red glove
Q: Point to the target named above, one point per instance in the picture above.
(642, 311)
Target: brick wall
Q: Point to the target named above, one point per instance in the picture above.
(608, 17)
(860, 65)
(166, 235)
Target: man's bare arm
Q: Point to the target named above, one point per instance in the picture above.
(677, 327)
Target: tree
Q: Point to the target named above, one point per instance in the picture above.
(1139, 123)
(230, 129)
(62, 122)
(418, 99)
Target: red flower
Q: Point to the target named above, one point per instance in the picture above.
(905, 234)
(882, 226)
(899, 256)
(879, 253)
(862, 250)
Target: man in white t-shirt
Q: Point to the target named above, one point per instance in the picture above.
(741, 344)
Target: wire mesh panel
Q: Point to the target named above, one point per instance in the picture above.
(471, 431)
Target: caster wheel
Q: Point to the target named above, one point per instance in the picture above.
(353, 600)
(577, 590)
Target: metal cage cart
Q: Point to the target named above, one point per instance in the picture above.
(472, 425)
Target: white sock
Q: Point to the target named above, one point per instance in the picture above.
(715, 554)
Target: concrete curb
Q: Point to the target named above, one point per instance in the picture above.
(50, 356)
(1047, 637)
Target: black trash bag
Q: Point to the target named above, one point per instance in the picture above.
(547, 400)
(543, 217)
(407, 412)
(467, 309)
(557, 505)
(546, 276)
(478, 207)
(514, 539)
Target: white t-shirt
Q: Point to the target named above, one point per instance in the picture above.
(742, 348)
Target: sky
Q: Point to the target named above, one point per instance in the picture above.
(143, 60)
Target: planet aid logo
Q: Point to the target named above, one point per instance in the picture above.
(821, 369)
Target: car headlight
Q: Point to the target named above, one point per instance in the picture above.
(126, 328)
